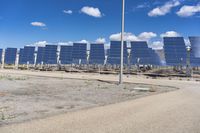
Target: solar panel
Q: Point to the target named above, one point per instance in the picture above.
(1, 52)
(21, 56)
(50, 54)
(175, 51)
(66, 54)
(195, 51)
(142, 54)
(79, 52)
(115, 53)
(97, 54)
(10, 55)
(40, 55)
(27, 55)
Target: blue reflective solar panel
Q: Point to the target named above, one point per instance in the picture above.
(115, 53)
(97, 54)
(21, 56)
(10, 55)
(195, 51)
(175, 51)
(142, 54)
(40, 55)
(1, 52)
(66, 54)
(50, 54)
(79, 52)
(27, 55)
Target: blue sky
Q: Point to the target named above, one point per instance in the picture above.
(24, 22)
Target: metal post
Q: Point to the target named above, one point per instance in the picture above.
(188, 66)
(122, 44)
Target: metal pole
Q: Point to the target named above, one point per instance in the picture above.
(122, 44)
(188, 66)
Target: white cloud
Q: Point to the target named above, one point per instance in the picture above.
(91, 11)
(170, 34)
(100, 40)
(67, 11)
(145, 36)
(157, 45)
(65, 43)
(40, 43)
(83, 41)
(187, 11)
(38, 24)
(165, 9)
(127, 37)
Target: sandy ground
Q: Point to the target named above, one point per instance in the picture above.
(25, 97)
(172, 112)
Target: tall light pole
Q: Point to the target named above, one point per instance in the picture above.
(122, 45)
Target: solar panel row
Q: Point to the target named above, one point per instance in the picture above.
(40, 55)
(142, 54)
(10, 55)
(26, 55)
(66, 54)
(115, 53)
(175, 51)
(50, 54)
(79, 53)
(97, 54)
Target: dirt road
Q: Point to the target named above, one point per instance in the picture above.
(173, 112)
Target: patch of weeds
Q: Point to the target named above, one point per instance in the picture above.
(20, 78)
(8, 77)
(2, 115)
(1, 77)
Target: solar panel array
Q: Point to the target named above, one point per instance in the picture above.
(27, 55)
(1, 52)
(142, 54)
(50, 54)
(10, 55)
(195, 51)
(175, 51)
(79, 53)
(115, 53)
(97, 54)
(66, 54)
